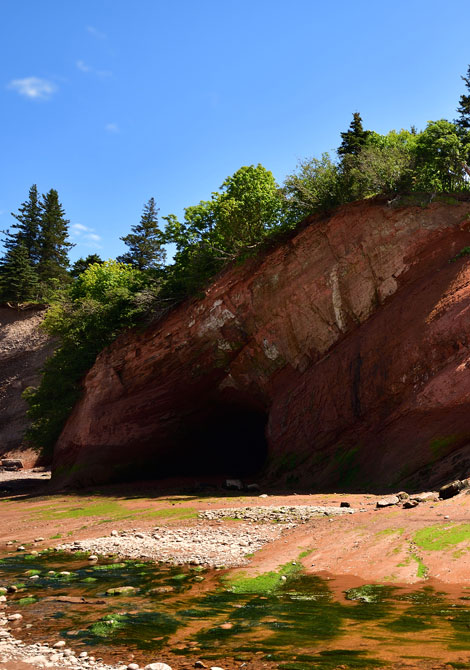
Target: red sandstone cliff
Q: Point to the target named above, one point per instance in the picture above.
(348, 346)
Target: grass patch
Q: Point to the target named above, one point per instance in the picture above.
(439, 538)
(268, 582)
(422, 570)
(26, 601)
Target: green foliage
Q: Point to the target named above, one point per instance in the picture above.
(237, 218)
(316, 186)
(18, 279)
(28, 225)
(145, 242)
(105, 299)
(354, 138)
(82, 264)
(266, 583)
(464, 105)
(440, 153)
(53, 244)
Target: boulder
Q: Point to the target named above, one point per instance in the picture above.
(427, 496)
(409, 504)
(233, 485)
(450, 490)
(387, 502)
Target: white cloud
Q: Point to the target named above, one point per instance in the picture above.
(83, 67)
(33, 88)
(93, 237)
(112, 127)
(96, 33)
(78, 228)
(85, 236)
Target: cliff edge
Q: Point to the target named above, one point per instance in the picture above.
(339, 359)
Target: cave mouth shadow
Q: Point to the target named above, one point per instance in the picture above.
(228, 439)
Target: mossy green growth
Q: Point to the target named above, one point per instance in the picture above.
(26, 601)
(440, 445)
(108, 625)
(109, 566)
(369, 593)
(31, 573)
(439, 537)
(422, 570)
(268, 582)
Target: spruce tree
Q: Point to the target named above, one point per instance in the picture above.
(28, 225)
(354, 138)
(464, 107)
(54, 246)
(145, 242)
(18, 278)
(82, 264)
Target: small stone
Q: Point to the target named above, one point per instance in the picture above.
(20, 548)
(226, 626)
(133, 666)
(200, 664)
(141, 536)
(157, 666)
(12, 589)
(59, 645)
(121, 590)
(215, 667)
(39, 539)
(64, 573)
(3, 599)
(34, 577)
(92, 558)
(403, 495)
(344, 504)
(114, 533)
(14, 617)
(263, 495)
(83, 655)
(233, 484)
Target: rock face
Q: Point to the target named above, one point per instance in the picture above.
(23, 351)
(338, 359)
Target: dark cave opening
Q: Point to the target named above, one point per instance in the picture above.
(228, 439)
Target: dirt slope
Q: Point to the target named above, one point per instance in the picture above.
(23, 349)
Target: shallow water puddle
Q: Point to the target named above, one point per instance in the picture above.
(119, 608)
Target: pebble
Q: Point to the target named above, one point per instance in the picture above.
(133, 666)
(14, 617)
(59, 645)
(157, 666)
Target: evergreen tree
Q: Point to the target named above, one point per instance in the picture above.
(145, 242)
(28, 225)
(354, 138)
(18, 278)
(54, 246)
(83, 263)
(464, 107)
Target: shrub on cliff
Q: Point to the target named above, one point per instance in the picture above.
(104, 300)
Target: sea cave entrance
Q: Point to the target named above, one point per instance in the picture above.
(227, 438)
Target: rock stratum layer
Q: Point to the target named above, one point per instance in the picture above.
(339, 359)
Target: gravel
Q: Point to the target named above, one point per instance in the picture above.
(197, 545)
(46, 656)
(287, 514)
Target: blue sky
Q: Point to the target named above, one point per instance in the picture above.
(112, 102)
